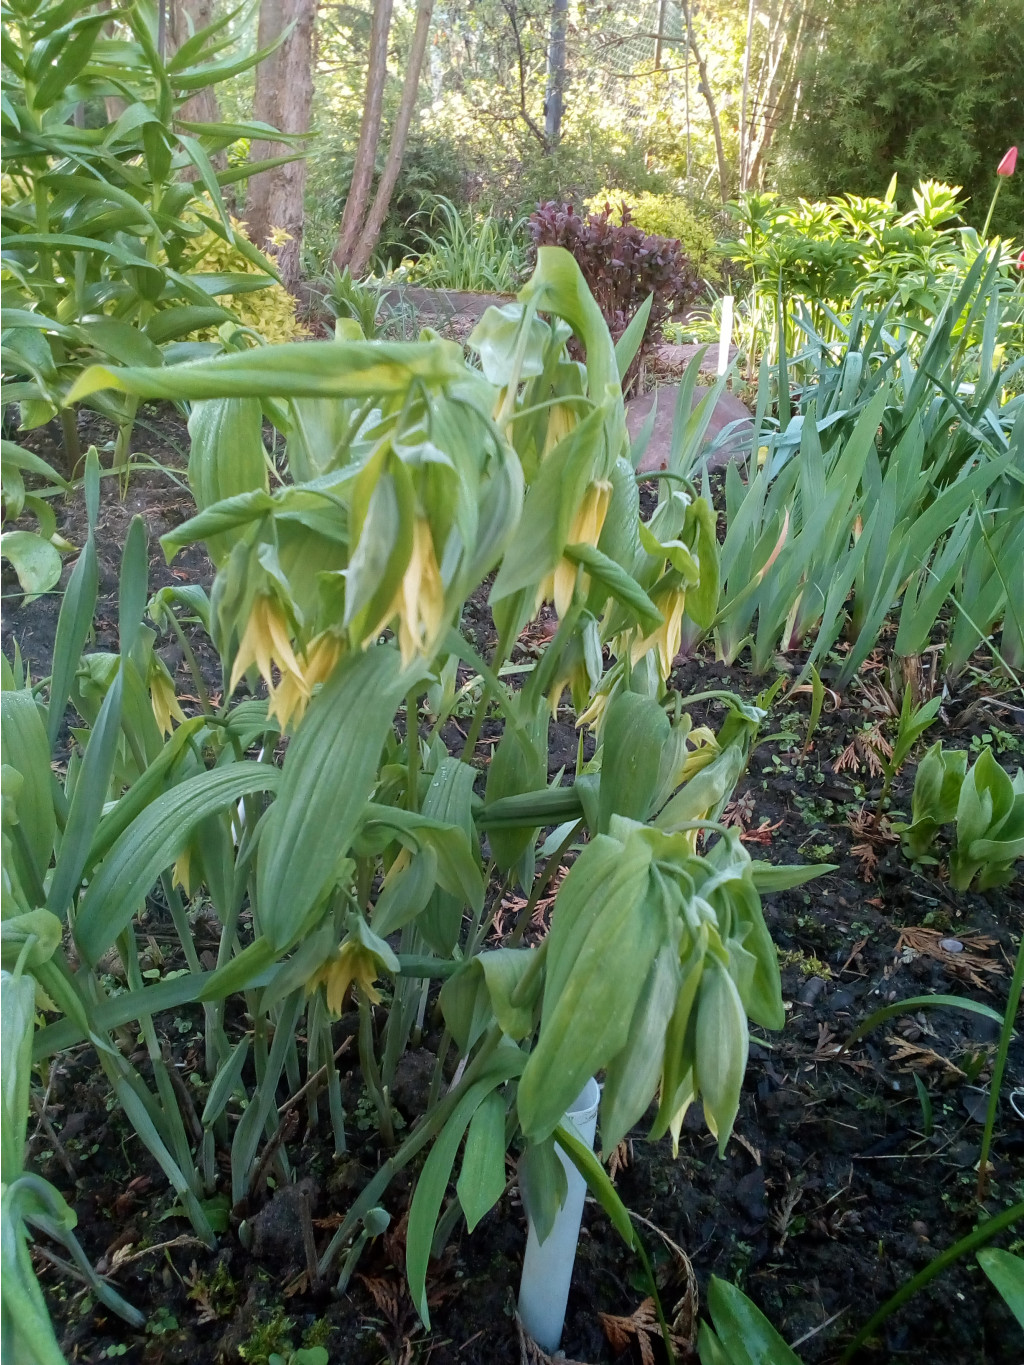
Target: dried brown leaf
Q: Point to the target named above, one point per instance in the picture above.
(910, 1056)
(967, 965)
(619, 1159)
(763, 833)
(867, 860)
(532, 1354)
(640, 1325)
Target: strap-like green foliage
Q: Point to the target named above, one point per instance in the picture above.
(1006, 1271)
(101, 231)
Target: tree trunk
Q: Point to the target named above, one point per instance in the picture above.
(554, 100)
(284, 95)
(781, 92)
(369, 136)
(185, 17)
(396, 150)
(716, 126)
(744, 131)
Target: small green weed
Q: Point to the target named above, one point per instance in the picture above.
(807, 964)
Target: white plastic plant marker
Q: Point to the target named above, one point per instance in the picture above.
(725, 334)
(547, 1265)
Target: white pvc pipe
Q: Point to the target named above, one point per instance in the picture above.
(547, 1266)
(725, 334)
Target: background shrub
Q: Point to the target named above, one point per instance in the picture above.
(269, 309)
(664, 215)
(621, 264)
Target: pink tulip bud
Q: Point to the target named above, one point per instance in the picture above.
(1020, 261)
(1008, 164)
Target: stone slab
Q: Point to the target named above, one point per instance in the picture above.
(728, 409)
(444, 304)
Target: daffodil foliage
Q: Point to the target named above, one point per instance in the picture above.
(360, 860)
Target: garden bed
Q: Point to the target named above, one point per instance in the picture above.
(838, 1186)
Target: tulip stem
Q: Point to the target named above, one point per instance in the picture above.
(981, 1234)
(192, 664)
(429, 1126)
(991, 207)
(521, 991)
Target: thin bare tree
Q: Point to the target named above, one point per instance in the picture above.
(360, 258)
(744, 131)
(709, 99)
(554, 99)
(353, 217)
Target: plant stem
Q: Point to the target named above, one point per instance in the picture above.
(438, 1076)
(179, 916)
(193, 665)
(429, 1127)
(991, 207)
(521, 991)
(72, 446)
(540, 883)
(123, 444)
(501, 651)
(999, 1066)
(971, 1242)
(412, 746)
(371, 1073)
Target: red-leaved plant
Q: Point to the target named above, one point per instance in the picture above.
(621, 265)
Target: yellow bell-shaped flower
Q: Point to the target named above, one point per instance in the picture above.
(292, 694)
(265, 643)
(666, 638)
(352, 964)
(586, 529)
(162, 697)
(419, 601)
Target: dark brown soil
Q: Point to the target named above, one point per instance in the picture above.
(835, 1190)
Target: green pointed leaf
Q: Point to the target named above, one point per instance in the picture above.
(151, 843)
(1006, 1272)
(603, 916)
(36, 562)
(25, 748)
(329, 771)
(437, 1169)
(635, 732)
(745, 1333)
(481, 1181)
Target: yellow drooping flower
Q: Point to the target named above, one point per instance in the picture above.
(706, 750)
(265, 643)
(421, 615)
(353, 963)
(181, 874)
(561, 421)
(292, 694)
(666, 638)
(585, 530)
(163, 699)
(595, 713)
(419, 600)
(576, 678)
